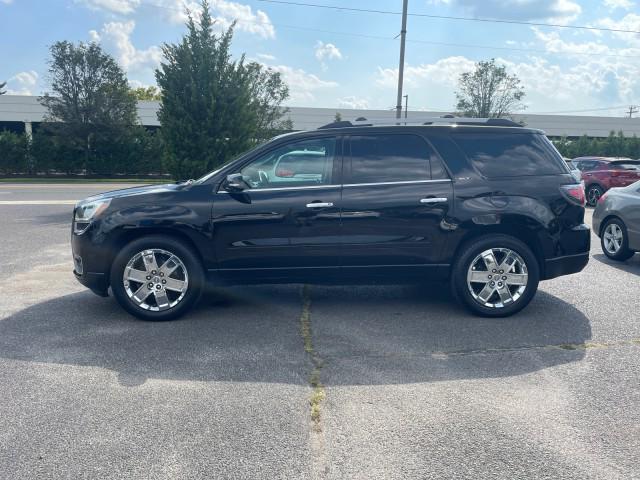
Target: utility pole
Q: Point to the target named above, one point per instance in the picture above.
(632, 109)
(403, 36)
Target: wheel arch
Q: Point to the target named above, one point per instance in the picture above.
(519, 231)
(127, 236)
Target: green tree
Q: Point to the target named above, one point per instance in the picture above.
(337, 117)
(148, 93)
(90, 103)
(489, 92)
(214, 107)
(2, 85)
(13, 153)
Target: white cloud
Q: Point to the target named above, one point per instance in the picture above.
(94, 36)
(6, 2)
(22, 83)
(444, 72)
(116, 37)
(592, 82)
(302, 85)
(123, 7)
(561, 11)
(224, 12)
(327, 51)
(623, 4)
(266, 56)
(353, 102)
(630, 21)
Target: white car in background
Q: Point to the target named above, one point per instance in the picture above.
(577, 174)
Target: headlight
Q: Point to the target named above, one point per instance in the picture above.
(86, 212)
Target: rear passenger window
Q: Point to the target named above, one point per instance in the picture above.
(393, 158)
(510, 154)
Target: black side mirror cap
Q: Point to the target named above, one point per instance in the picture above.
(236, 183)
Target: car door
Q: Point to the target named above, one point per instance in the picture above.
(286, 221)
(396, 195)
(624, 173)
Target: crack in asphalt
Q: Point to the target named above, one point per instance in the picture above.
(487, 351)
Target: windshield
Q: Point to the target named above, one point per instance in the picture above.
(206, 177)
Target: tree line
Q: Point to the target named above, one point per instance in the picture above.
(212, 107)
(615, 145)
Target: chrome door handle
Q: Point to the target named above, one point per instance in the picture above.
(319, 205)
(434, 200)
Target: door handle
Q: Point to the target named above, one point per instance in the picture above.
(434, 200)
(319, 205)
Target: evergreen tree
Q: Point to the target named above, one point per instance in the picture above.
(214, 107)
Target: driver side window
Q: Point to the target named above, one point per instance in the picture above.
(297, 164)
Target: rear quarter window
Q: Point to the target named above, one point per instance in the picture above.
(511, 154)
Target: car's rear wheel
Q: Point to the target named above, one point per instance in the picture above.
(495, 276)
(157, 278)
(594, 192)
(614, 240)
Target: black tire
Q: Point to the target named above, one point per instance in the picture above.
(185, 254)
(623, 253)
(594, 192)
(470, 251)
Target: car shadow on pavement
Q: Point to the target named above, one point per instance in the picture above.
(631, 266)
(367, 336)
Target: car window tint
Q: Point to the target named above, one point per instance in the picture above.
(296, 164)
(626, 166)
(391, 158)
(510, 154)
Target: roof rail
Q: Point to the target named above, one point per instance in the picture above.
(444, 120)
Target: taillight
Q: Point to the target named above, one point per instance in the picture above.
(574, 193)
(602, 197)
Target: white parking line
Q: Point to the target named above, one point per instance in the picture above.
(38, 202)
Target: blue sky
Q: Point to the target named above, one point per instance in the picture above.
(343, 59)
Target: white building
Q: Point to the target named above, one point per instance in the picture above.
(20, 113)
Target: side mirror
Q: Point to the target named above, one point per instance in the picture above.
(236, 183)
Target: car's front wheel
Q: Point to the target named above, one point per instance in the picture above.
(495, 276)
(157, 278)
(614, 240)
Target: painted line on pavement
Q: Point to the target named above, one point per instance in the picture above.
(38, 202)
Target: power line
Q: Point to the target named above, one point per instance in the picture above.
(425, 42)
(449, 17)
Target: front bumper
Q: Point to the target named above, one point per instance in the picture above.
(96, 282)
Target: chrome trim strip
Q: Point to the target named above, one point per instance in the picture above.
(409, 182)
(278, 189)
(434, 200)
(312, 187)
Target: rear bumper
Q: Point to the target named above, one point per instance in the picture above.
(566, 265)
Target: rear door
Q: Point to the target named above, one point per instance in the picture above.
(395, 197)
(624, 173)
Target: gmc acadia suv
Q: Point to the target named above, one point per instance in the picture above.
(486, 205)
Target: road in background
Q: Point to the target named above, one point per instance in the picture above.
(415, 387)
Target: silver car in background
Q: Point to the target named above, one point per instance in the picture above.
(616, 220)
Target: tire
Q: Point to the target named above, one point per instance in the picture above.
(176, 264)
(505, 297)
(615, 241)
(594, 192)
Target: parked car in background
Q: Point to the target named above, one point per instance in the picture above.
(485, 206)
(577, 174)
(602, 173)
(616, 220)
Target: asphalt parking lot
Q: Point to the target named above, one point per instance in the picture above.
(411, 385)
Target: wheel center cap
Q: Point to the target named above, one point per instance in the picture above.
(156, 279)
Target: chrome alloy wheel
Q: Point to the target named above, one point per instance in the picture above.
(497, 277)
(155, 279)
(613, 238)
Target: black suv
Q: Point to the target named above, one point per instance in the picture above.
(493, 209)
